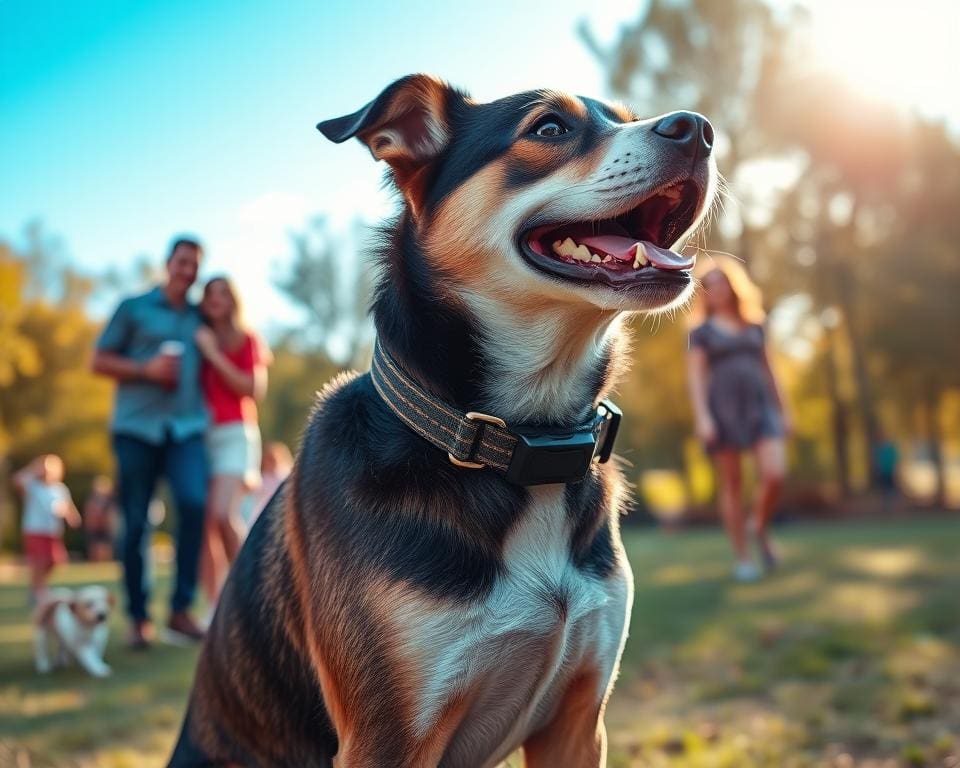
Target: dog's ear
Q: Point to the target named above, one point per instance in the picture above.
(407, 126)
(73, 605)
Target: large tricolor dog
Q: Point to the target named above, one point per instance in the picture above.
(442, 580)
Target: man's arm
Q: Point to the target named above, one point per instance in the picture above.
(117, 366)
(109, 358)
(159, 369)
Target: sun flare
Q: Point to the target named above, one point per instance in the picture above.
(904, 53)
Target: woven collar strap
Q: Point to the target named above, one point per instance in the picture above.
(526, 456)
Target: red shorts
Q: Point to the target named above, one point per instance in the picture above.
(44, 547)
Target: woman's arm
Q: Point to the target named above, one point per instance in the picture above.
(698, 372)
(251, 383)
(777, 391)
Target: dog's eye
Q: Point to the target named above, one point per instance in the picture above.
(549, 127)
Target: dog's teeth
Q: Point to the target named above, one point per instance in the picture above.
(640, 257)
(581, 253)
(566, 248)
(595, 259)
(607, 258)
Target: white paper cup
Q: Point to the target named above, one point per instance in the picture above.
(172, 348)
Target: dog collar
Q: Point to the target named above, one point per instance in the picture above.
(525, 455)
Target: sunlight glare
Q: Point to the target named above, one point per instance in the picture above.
(902, 53)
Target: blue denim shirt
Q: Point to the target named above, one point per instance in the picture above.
(143, 409)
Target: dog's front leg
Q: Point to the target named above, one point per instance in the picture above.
(87, 656)
(100, 636)
(576, 736)
(41, 650)
(84, 650)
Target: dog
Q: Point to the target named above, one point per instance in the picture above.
(441, 581)
(73, 624)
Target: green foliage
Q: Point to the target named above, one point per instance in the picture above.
(295, 378)
(50, 401)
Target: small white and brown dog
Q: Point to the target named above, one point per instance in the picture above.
(74, 624)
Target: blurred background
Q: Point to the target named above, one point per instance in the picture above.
(838, 126)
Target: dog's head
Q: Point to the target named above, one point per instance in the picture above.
(92, 605)
(542, 198)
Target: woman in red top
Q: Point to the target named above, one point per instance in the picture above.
(234, 377)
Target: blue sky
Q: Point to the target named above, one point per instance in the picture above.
(125, 122)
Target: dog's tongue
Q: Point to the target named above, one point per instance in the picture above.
(625, 249)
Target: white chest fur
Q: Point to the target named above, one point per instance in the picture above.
(514, 652)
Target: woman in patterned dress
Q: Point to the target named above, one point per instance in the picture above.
(738, 407)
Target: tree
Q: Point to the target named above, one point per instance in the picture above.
(296, 376)
(831, 232)
(49, 399)
(333, 291)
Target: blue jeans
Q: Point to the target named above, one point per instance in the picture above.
(139, 465)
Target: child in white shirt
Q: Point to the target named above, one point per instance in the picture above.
(46, 506)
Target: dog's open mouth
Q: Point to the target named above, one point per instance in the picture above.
(624, 249)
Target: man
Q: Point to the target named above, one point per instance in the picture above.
(158, 429)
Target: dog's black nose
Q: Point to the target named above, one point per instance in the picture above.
(101, 617)
(692, 133)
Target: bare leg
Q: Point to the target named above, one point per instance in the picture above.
(39, 573)
(212, 558)
(231, 491)
(771, 469)
(730, 496)
(224, 529)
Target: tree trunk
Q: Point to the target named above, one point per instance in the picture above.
(846, 294)
(826, 282)
(841, 429)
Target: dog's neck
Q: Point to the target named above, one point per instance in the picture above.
(538, 366)
(546, 366)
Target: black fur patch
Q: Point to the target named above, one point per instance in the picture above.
(480, 133)
(593, 525)
(386, 500)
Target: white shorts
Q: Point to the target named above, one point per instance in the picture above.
(234, 451)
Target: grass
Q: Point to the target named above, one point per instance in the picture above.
(849, 656)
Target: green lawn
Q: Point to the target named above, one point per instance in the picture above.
(850, 656)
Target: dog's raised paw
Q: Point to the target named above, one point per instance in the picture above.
(103, 671)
